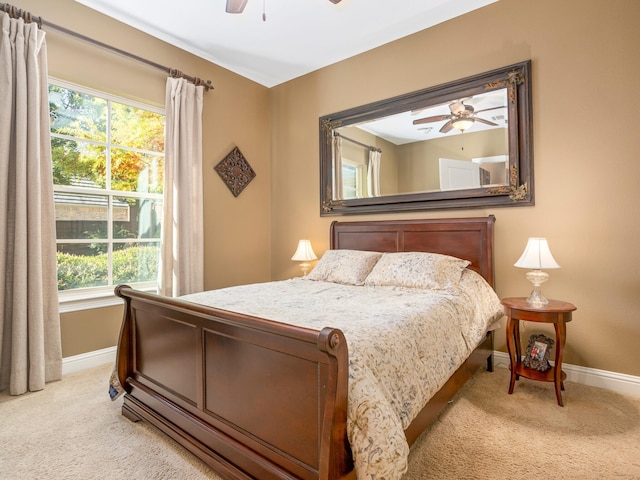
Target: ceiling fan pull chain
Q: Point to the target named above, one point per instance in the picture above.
(264, 11)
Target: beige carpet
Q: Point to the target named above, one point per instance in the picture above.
(71, 430)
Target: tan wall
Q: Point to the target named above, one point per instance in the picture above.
(237, 242)
(586, 104)
(420, 164)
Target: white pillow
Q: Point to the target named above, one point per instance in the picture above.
(349, 267)
(418, 270)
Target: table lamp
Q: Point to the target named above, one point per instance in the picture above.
(304, 254)
(537, 256)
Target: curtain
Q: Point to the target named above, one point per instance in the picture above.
(182, 252)
(30, 346)
(373, 173)
(338, 192)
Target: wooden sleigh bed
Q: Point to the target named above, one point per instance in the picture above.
(254, 398)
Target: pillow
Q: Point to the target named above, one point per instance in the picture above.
(418, 270)
(349, 267)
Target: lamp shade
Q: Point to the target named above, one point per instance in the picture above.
(537, 255)
(304, 252)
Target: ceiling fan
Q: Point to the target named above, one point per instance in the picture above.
(237, 6)
(462, 117)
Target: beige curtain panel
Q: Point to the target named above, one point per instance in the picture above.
(30, 347)
(182, 248)
(373, 173)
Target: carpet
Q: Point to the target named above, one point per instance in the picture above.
(71, 430)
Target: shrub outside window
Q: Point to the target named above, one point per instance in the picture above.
(108, 173)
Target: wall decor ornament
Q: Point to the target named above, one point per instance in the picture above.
(235, 171)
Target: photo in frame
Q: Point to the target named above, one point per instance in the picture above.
(537, 355)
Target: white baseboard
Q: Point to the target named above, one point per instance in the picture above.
(88, 360)
(616, 382)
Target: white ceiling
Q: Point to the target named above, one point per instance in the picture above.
(298, 36)
(399, 128)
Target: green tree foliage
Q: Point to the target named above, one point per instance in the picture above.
(79, 116)
(81, 158)
(139, 129)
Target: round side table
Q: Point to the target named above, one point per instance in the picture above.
(556, 312)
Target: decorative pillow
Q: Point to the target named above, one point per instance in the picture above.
(349, 267)
(418, 270)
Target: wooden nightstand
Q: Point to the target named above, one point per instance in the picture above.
(556, 312)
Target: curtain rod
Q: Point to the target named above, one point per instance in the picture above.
(15, 12)
(370, 147)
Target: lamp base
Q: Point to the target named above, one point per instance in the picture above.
(537, 278)
(304, 266)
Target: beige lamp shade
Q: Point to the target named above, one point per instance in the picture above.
(537, 255)
(305, 254)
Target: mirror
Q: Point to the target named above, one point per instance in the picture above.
(464, 144)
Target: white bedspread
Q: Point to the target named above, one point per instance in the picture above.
(403, 343)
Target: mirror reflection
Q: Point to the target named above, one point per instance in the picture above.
(455, 145)
(463, 144)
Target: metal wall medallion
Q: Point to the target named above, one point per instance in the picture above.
(235, 171)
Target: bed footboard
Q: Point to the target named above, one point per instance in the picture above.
(252, 398)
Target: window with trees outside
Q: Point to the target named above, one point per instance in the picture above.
(108, 169)
(351, 179)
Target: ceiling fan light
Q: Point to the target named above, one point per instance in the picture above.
(462, 124)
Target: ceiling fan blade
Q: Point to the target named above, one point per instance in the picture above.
(446, 128)
(236, 6)
(436, 118)
(492, 108)
(486, 122)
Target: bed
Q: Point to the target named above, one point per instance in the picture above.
(255, 397)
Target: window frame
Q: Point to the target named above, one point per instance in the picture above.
(102, 296)
(357, 172)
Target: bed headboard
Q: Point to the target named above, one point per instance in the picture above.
(467, 238)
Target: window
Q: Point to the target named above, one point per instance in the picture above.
(351, 179)
(108, 169)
